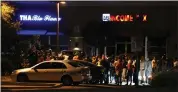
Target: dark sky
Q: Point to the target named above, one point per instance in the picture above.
(161, 15)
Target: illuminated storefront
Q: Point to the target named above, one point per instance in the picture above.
(128, 44)
(40, 19)
(136, 25)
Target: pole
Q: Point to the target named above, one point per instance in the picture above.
(146, 48)
(105, 47)
(105, 50)
(97, 48)
(49, 40)
(115, 49)
(137, 69)
(166, 46)
(57, 34)
(97, 51)
(126, 47)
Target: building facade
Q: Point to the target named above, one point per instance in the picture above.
(40, 18)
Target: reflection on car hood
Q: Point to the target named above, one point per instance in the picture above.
(23, 70)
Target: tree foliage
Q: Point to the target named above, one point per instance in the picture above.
(9, 26)
(8, 12)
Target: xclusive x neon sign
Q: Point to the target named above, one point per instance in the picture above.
(38, 18)
(124, 18)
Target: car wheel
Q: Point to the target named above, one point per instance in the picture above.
(22, 78)
(67, 80)
(76, 83)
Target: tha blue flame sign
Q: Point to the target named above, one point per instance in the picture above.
(38, 18)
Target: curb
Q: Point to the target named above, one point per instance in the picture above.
(30, 84)
(33, 86)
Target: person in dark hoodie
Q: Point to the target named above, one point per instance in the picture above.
(129, 71)
(106, 65)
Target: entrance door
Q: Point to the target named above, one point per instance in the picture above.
(123, 48)
(120, 49)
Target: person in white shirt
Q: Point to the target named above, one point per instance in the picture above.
(66, 57)
(147, 65)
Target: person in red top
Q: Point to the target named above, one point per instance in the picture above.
(129, 71)
(118, 69)
(48, 57)
(40, 58)
(76, 57)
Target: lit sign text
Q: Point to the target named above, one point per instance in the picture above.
(123, 18)
(38, 18)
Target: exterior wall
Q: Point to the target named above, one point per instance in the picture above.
(172, 50)
(171, 45)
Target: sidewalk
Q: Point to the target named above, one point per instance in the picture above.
(5, 79)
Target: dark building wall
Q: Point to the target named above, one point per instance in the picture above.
(172, 38)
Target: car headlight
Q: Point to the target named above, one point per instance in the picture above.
(14, 72)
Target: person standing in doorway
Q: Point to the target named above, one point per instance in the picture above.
(129, 71)
(99, 64)
(154, 65)
(106, 65)
(118, 69)
(114, 65)
(124, 72)
(134, 68)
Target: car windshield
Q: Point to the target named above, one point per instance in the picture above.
(87, 63)
(76, 64)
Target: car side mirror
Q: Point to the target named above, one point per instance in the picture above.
(35, 69)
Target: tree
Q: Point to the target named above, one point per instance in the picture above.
(9, 37)
(9, 26)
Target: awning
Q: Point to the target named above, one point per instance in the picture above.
(37, 32)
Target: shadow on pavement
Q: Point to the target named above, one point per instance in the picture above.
(106, 86)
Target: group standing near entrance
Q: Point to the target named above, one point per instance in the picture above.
(119, 68)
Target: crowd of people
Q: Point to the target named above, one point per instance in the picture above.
(126, 68)
(123, 68)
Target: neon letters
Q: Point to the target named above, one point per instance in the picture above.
(123, 18)
(37, 18)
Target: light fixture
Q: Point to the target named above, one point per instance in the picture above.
(76, 48)
(63, 2)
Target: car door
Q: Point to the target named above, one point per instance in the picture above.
(39, 72)
(57, 71)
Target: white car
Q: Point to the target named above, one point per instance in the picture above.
(67, 72)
